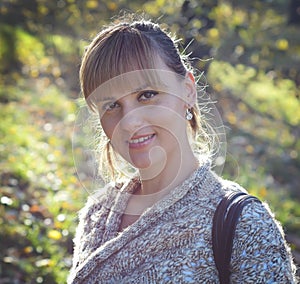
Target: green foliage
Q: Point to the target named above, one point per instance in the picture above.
(38, 185)
(260, 90)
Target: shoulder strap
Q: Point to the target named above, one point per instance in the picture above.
(224, 225)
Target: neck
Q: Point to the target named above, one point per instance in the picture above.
(157, 181)
(156, 187)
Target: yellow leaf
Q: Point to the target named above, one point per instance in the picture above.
(54, 235)
(112, 6)
(28, 249)
(249, 149)
(231, 117)
(282, 44)
(213, 33)
(263, 192)
(91, 4)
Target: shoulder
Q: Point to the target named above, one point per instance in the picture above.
(258, 217)
(222, 187)
(229, 186)
(260, 248)
(260, 252)
(211, 188)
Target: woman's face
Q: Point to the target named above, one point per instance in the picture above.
(146, 122)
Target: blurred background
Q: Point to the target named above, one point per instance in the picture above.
(250, 54)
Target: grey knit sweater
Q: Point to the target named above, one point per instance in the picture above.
(171, 241)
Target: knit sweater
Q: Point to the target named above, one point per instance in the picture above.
(171, 241)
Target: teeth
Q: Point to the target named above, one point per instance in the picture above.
(140, 140)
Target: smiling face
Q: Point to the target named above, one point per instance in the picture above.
(139, 107)
(143, 115)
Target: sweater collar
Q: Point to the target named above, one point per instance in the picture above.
(114, 241)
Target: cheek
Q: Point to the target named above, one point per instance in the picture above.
(172, 125)
(108, 126)
(173, 115)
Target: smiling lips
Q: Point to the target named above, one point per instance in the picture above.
(141, 141)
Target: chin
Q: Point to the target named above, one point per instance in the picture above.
(141, 164)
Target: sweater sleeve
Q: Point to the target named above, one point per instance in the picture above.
(80, 240)
(260, 252)
(88, 233)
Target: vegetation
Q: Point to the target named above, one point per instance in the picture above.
(250, 54)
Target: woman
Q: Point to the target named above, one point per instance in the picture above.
(156, 227)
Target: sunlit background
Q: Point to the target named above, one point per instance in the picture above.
(250, 53)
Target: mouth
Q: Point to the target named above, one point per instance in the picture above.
(140, 141)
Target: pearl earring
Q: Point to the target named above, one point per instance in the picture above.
(188, 115)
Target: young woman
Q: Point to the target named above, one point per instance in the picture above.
(156, 227)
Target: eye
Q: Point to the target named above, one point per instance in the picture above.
(110, 106)
(147, 95)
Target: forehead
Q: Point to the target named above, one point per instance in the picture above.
(161, 80)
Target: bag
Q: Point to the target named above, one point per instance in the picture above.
(224, 224)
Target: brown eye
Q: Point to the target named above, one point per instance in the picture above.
(110, 106)
(147, 95)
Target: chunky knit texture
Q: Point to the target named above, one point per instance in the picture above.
(171, 241)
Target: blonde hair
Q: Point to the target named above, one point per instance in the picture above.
(127, 46)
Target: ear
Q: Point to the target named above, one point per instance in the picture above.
(191, 92)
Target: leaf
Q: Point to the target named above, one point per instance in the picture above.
(54, 235)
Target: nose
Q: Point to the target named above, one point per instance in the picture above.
(132, 119)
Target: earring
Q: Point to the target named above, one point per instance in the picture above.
(188, 115)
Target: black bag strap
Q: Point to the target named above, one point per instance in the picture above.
(224, 224)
